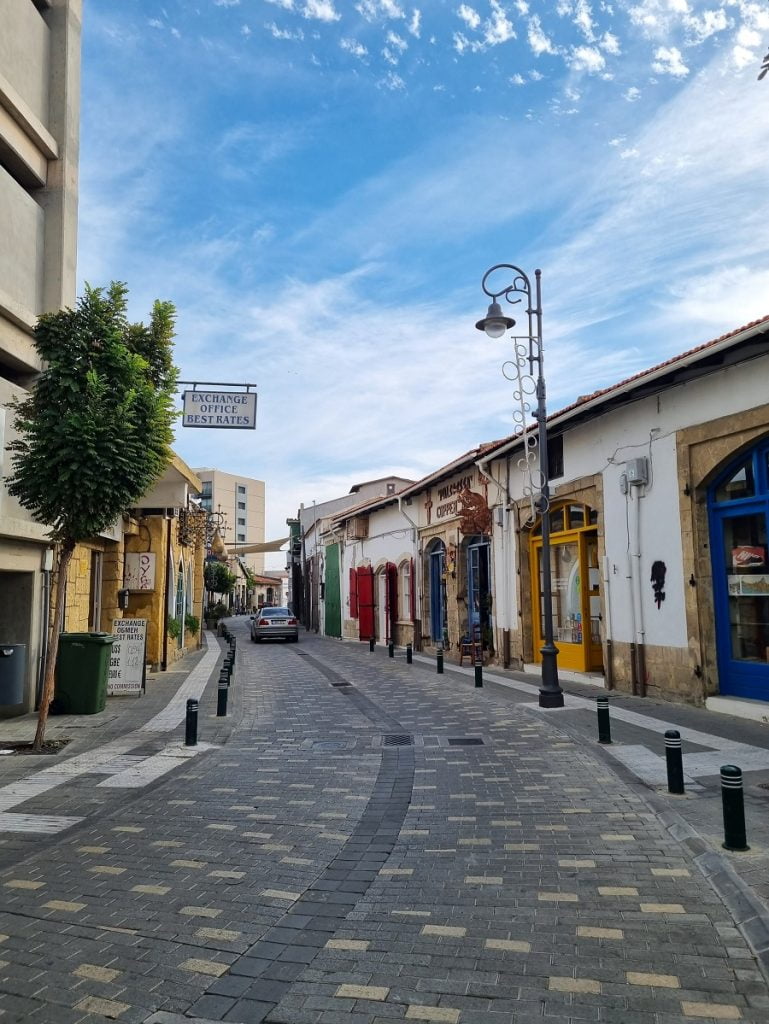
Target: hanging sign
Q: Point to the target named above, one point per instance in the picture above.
(139, 572)
(126, 663)
(225, 410)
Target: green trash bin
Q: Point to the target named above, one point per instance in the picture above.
(82, 670)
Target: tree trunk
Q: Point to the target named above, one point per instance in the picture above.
(67, 550)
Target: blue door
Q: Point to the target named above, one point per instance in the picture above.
(739, 529)
(437, 594)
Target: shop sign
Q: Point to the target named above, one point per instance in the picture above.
(139, 571)
(448, 505)
(127, 661)
(225, 410)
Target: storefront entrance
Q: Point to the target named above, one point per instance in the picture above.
(437, 572)
(575, 587)
(738, 505)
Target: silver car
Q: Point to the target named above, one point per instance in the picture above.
(274, 624)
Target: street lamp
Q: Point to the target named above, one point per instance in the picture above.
(495, 324)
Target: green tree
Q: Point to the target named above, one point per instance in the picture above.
(96, 430)
(218, 578)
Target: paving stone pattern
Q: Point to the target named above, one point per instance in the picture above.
(308, 871)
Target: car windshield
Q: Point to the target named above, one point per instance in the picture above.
(268, 613)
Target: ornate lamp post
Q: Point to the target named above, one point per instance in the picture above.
(528, 349)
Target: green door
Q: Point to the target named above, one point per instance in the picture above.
(333, 596)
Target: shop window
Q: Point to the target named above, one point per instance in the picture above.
(741, 483)
(555, 456)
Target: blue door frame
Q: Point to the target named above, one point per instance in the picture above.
(741, 600)
(437, 617)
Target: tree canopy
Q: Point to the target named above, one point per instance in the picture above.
(95, 432)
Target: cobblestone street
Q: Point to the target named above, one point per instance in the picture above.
(364, 841)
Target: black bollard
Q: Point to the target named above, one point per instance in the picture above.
(439, 661)
(221, 700)
(409, 654)
(733, 802)
(224, 678)
(478, 671)
(371, 643)
(675, 762)
(391, 649)
(604, 722)
(191, 724)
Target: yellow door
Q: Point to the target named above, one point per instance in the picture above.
(574, 585)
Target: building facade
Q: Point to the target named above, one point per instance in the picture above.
(39, 133)
(239, 500)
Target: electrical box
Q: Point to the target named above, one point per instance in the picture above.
(637, 471)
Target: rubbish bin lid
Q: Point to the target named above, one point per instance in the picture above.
(86, 638)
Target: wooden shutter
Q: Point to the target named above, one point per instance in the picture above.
(353, 594)
(366, 603)
(413, 592)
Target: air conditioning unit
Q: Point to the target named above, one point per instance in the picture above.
(357, 528)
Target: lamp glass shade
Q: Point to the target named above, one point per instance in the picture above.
(495, 323)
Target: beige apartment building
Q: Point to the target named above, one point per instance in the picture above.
(239, 500)
(39, 134)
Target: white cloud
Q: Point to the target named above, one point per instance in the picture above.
(245, 30)
(354, 47)
(320, 10)
(538, 41)
(586, 58)
(498, 28)
(610, 43)
(415, 23)
(226, 3)
(668, 61)
(284, 33)
(469, 16)
(392, 82)
(287, 5)
(373, 10)
(517, 80)
(583, 19)
(632, 94)
(155, 23)
(627, 154)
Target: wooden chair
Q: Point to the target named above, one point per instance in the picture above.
(471, 647)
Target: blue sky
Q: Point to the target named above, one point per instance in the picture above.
(319, 186)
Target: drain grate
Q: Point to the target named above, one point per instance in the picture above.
(465, 741)
(397, 740)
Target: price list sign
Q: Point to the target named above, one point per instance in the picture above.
(126, 665)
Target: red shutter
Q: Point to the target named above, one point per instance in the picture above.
(353, 594)
(413, 592)
(366, 603)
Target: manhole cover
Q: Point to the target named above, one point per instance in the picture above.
(397, 740)
(465, 741)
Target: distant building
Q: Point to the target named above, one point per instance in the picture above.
(39, 133)
(240, 502)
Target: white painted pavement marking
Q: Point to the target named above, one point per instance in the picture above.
(104, 759)
(39, 823)
(150, 768)
(175, 711)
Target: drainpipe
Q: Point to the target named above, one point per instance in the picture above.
(417, 575)
(164, 662)
(481, 464)
(609, 667)
(637, 583)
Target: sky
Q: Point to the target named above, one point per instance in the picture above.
(320, 185)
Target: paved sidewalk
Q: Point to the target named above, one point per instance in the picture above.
(369, 842)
